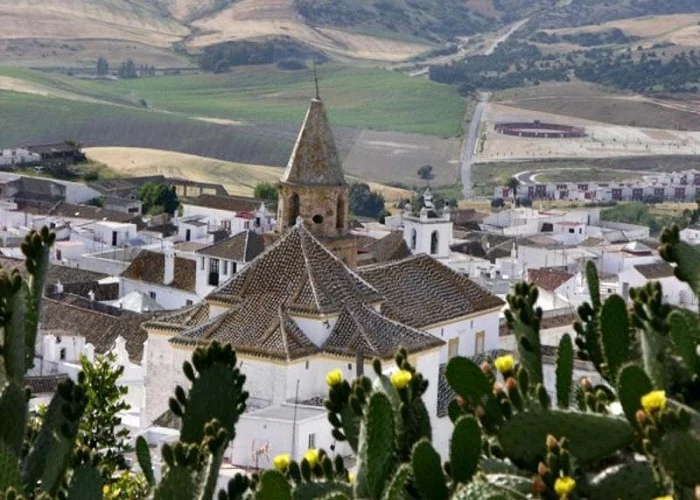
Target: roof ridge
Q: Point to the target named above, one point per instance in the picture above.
(307, 264)
(245, 246)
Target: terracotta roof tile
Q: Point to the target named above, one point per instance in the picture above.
(149, 267)
(421, 291)
(300, 273)
(242, 247)
(97, 327)
(45, 384)
(548, 279)
(362, 329)
(389, 248)
(230, 203)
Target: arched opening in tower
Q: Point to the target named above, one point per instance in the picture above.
(293, 210)
(434, 241)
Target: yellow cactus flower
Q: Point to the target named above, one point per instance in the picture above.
(351, 478)
(105, 489)
(282, 461)
(563, 486)
(311, 456)
(654, 401)
(334, 377)
(505, 364)
(401, 378)
(665, 497)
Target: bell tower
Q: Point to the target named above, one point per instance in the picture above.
(313, 188)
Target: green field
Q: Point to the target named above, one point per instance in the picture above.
(355, 97)
(31, 119)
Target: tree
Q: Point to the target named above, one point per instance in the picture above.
(266, 191)
(426, 172)
(102, 66)
(365, 202)
(128, 70)
(99, 428)
(513, 184)
(158, 198)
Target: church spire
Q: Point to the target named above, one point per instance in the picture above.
(315, 159)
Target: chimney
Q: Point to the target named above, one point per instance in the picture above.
(91, 295)
(59, 288)
(169, 267)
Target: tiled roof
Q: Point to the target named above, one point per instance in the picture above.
(45, 384)
(149, 267)
(389, 248)
(230, 203)
(274, 335)
(97, 327)
(300, 273)
(362, 329)
(548, 279)
(299, 276)
(315, 159)
(421, 292)
(93, 213)
(181, 319)
(242, 247)
(75, 281)
(656, 270)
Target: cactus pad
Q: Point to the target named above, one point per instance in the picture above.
(592, 437)
(564, 371)
(465, 449)
(634, 481)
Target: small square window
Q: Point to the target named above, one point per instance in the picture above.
(225, 267)
(152, 295)
(62, 354)
(350, 366)
(312, 441)
(188, 302)
(202, 266)
(307, 364)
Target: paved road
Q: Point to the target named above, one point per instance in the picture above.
(469, 145)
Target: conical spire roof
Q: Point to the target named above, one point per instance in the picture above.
(315, 158)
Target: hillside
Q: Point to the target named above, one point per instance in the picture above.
(238, 179)
(165, 32)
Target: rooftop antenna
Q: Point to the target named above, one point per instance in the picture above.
(318, 93)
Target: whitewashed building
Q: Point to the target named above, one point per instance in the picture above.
(168, 279)
(302, 308)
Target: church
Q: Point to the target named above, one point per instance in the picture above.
(303, 307)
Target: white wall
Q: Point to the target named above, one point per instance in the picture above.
(168, 297)
(202, 287)
(424, 228)
(466, 330)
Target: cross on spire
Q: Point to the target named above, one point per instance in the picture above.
(318, 93)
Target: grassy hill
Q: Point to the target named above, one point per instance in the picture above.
(356, 97)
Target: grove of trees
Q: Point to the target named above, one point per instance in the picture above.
(158, 198)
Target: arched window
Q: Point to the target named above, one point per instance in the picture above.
(414, 237)
(434, 242)
(340, 214)
(293, 210)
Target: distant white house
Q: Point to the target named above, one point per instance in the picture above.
(17, 156)
(168, 279)
(691, 234)
(221, 261)
(675, 292)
